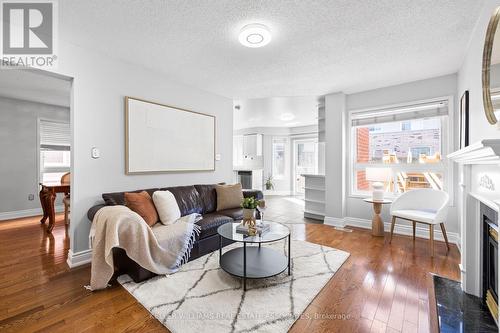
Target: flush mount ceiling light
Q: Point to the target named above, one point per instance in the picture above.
(254, 35)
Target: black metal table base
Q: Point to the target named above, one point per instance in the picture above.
(254, 262)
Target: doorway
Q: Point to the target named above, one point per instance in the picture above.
(305, 161)
(36, 117)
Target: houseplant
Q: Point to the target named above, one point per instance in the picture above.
(249, 205)
(269, 183)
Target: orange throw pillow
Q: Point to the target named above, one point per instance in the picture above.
(142, 204)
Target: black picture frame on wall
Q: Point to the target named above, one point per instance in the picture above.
(464, 120)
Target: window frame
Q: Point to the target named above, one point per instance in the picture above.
(40, 168)
(447, 143)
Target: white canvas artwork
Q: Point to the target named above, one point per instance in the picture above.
(161, 138)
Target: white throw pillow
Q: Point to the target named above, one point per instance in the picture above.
(166, 206)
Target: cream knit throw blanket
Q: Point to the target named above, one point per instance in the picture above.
(160, 249)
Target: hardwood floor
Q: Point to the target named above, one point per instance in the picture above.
(380, 288)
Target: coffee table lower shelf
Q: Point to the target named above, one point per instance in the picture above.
(260, 262)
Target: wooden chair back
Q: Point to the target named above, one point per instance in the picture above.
(66, 178)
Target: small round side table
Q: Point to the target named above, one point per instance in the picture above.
(377, 223)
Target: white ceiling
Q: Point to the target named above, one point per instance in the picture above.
(276, 112)
(35, 86)
(317, 47)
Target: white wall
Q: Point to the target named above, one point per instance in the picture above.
(470, 78)
(284, 185)
(470, 75)
(335, 113)
(19, 146)
(97, 114)
(338, 203)
(412, 91)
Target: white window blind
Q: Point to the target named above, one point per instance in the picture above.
(425, 110)
(409, 139)
(55, 135)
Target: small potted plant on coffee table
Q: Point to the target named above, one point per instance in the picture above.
(249, 205)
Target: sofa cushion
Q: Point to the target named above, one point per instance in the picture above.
(234, 213)
(208, 196)
(142, 204)
(166, 206)
(118, 198)
(210, 222)
(229, 196)
(257, 194)
(188, 199)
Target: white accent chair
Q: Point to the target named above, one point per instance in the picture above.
(426, 206)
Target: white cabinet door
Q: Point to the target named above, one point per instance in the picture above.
(252, 145)
(249, 145)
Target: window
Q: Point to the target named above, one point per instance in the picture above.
(409, 140)
(279, 145)
(55, 155)
(305, 162)
(406, 126)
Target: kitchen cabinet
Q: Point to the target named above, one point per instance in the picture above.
(247, 152)
(252, 145)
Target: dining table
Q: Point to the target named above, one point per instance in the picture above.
(48, 193)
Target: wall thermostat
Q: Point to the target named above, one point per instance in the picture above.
(95, 152)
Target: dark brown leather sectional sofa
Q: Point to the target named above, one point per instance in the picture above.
(201, 199)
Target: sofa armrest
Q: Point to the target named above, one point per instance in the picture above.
(93, 210)
(257, 194)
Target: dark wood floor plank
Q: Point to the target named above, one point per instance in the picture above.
(381, 288)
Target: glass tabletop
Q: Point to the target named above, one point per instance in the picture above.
(276, 232)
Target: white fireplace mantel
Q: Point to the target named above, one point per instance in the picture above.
(489, 200)
(477, 187)
(481, 152)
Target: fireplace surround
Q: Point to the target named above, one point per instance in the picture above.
(489, 218)
(478, 196)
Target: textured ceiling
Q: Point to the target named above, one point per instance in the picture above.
(317, 47)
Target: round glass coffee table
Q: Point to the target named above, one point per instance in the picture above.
(254, 262)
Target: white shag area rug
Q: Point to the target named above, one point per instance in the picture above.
(201, 297)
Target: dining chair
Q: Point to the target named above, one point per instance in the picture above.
(66, 179)
(425, 206)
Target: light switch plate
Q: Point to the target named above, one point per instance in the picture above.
(95, 152)
(217, 157)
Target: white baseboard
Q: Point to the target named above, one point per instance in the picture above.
(79, 258)
(26, 213)
(402, 229)
(335, 221)
(314, 216)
